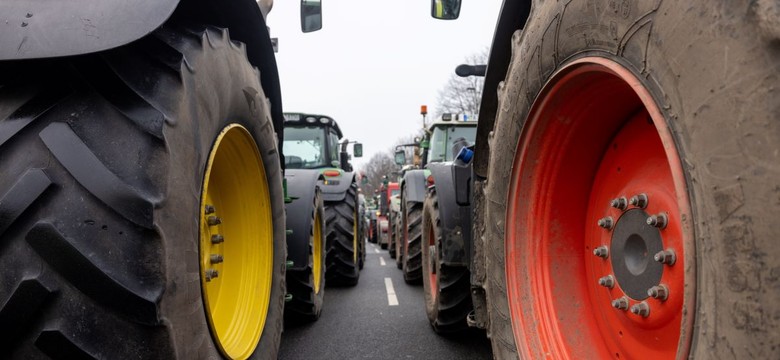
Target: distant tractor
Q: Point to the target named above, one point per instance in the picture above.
(440, 137)
(314, 157)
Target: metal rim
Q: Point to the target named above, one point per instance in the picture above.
(236, 243)
(595, 140)
(317, 251)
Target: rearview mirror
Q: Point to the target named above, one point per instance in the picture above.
(311, 15)
(358, 150)
(400, 157)
(445, 9)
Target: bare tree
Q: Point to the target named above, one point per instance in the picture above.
(462, 95)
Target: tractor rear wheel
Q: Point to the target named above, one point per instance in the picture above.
(412, 256)
(392, 235)
(343, 251)
(446, 287)
(307, 286)
(636, 219)
(138, 185)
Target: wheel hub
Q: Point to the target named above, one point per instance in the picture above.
(633, 245)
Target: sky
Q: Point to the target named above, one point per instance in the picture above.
(375, 62)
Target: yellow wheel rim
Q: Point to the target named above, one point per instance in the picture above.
(354, 237)
(317, 251)
(236, 243)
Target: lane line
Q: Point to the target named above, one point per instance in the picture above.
(382, 261)
(392, 300)
(376, 249)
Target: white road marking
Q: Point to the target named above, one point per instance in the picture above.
(382, 261)
(376, 249)
(392, 300)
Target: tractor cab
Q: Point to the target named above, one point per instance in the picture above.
(315, 142)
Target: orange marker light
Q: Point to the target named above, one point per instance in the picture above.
(424, 109)
(331, 173)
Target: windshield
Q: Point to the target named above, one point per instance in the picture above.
(395, 192)
(443, 137)
(304, 147)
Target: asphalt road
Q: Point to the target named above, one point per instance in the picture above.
(360, 323)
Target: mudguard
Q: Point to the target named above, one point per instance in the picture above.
(513, 16)
(337, 192)
(455, 218)
(301, 186)
(413, 186)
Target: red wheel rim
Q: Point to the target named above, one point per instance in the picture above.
(595, 134)
(432, 262)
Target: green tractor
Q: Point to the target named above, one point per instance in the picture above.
(141, 197)
(315, 156)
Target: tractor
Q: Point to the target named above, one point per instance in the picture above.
(315, 158)
(623, 180)
(141, 187)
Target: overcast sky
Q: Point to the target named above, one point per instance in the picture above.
(375, 62)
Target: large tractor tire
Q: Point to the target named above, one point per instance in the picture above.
(307, 286)
(446, 287)
(411, 264)
(342, 259)
(116, 171)
(392, 235)
(638, 219)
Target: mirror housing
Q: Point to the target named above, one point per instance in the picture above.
(425, 144)
(311, 15)
(400, 157)
(358, 150)
(445, 9)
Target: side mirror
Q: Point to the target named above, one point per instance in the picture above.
(311, 15)
(400, 157)
(445, 9)
(358, 150)
(425, 144)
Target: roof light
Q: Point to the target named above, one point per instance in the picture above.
(324, 120)
(311, 119)
(446, 117)
(424, 109)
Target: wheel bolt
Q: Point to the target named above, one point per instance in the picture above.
(620, 303)
(211, 273)
(667, 257)
(213, 220)
(641, 309)
(639, 200)
(605, 222)
(607, 281)
(620, 203)
(601, 251)
(209, 209)
(659, 220)
(217, 239)
(216, 258)
(660, 292)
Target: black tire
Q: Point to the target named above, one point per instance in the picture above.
(306, 302)
(412, 259)
(102, 168)
(343, 267)
(391, 237)
(447, 310)
(726, 133)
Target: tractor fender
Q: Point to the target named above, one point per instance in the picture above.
(413, 186)
(513, 16)
(455, 217)
(337, 192)
(302, 186)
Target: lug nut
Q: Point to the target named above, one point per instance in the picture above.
(601, 251)
(217, 239)
(620, 303)
(607, 281)
(659, 220)
(213, 220)
(211, 273)
(210, 209)
(641, 309)
(660, 292)
(639, 200)
(667, 257)
(606, 222)
(216, 258)
(620, 203)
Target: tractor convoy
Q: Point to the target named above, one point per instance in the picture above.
(617, 199)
